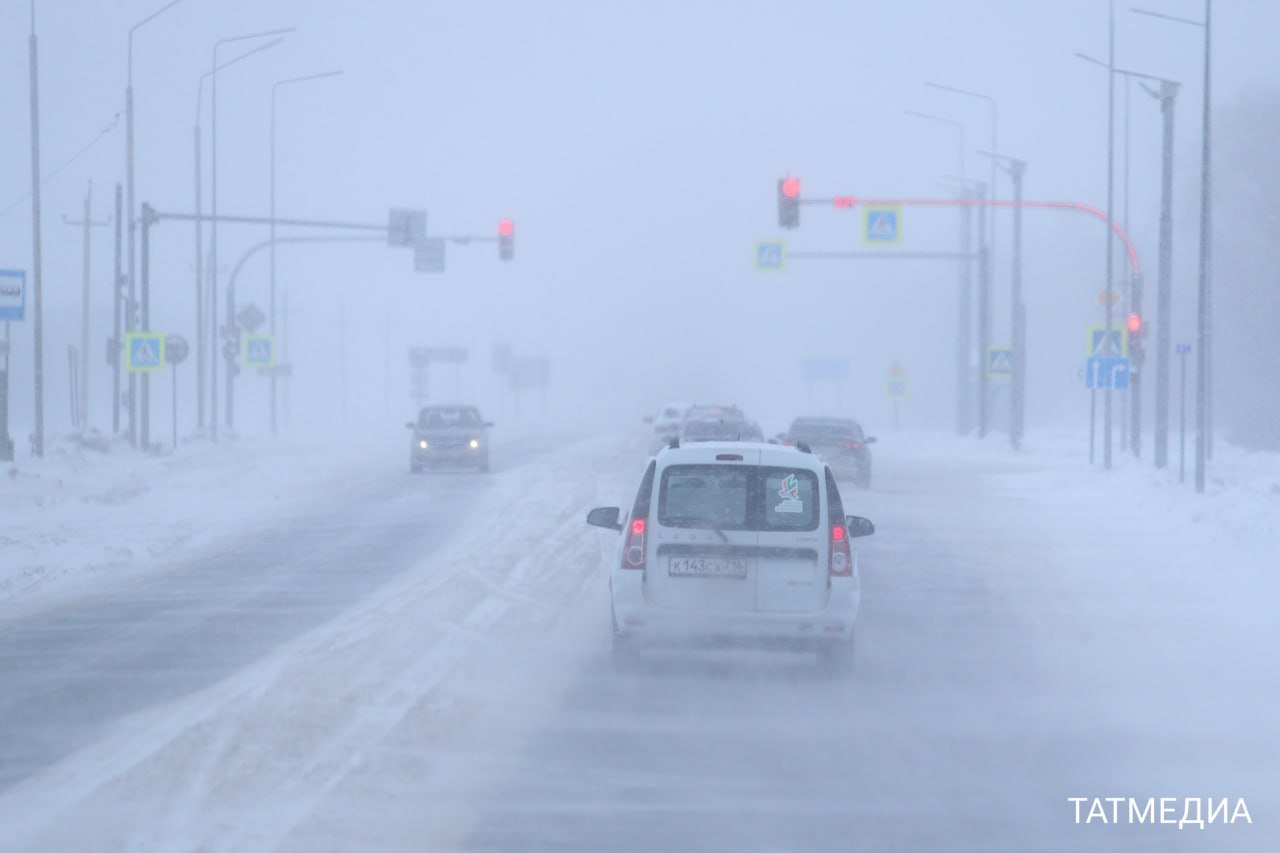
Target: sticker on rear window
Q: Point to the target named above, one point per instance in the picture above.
(790, 495)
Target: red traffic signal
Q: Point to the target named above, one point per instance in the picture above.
(506, 239)
(1134, 324)
(789, 202)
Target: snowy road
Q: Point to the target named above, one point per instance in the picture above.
(1020, 644)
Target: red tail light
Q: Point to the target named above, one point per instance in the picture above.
(853, 445)
(841, 557)
(633, 554)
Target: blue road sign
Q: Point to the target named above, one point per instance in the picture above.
(259, 350)
(1104, 342)
(1107, 372)
(144, 352)
(1000, 362)
(1183, 349)
(825, 368)
(13, 294)
(771, 255)
(896, 387)
(882, 225)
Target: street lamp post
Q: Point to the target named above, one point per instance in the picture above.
(131, 318)
(964, 318)
(1164, 300)
(201, 344)
(272, 312)
(213, 231)
(1018, 312)
(37, 302)
(1204, 305)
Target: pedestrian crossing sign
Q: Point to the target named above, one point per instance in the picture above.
(1106, 343)
(259, 350)
(999, 362)
(771, 255)
(144, 352)
(882, 224)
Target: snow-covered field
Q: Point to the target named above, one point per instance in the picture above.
(332, 739)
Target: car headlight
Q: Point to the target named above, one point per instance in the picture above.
(475, 442)
(423, 444)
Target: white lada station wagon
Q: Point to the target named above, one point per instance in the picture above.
(735, 544)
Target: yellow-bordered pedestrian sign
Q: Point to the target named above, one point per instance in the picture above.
(882, 224)
(771, 255)
(999, 362)
(896, 382)
(144, 352)
(259, 350)
(1103, 343)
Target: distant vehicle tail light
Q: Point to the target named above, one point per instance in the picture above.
(633, 554)
(853, 445)
(841, 556)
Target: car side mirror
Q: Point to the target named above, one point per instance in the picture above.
(409, 425)
(871, 439)
(605, 516)
(859, 526)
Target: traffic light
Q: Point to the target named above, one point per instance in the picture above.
(506, 239)
(789, 202)
(1134, 326)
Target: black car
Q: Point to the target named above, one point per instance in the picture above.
(839, 441)
(449, 435)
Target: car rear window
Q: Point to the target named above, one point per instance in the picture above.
(738, 497)
(714, 430)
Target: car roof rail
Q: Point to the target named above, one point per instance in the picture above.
(803, 447)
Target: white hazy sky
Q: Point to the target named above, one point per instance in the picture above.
(636, 145)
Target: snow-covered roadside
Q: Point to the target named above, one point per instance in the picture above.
(91, 514)
(240, 765)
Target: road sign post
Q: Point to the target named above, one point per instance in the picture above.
(13, 297)
(1183, 351)
(175, 351)
(896, 389)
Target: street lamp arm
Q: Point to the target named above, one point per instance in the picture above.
(206, 75)
(157, 13)
(304, 78)
(1124, 72)
(1152, 14)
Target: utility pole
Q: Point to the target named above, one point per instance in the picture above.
(37, 302)
(1111, 168)
(117, 295)
(85, 223)
(1204, 327)
(964, 322)
(984, 321)
(1164, 289)
(1018, 390)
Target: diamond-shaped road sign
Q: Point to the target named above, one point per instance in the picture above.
(250, 317)
(771, 255)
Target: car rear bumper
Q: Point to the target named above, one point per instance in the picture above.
(646, 624)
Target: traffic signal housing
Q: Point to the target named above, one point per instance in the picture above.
(506, 239)
(1134, 327)
(789, 202)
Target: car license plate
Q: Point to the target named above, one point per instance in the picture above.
(707, 567)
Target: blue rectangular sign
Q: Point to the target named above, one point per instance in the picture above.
(13, 294)
(825, 368)
(1102, 372)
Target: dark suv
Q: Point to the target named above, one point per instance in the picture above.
(839, 441)
(449, 435)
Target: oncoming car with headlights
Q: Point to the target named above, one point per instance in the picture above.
(449, 435)
(735, 544)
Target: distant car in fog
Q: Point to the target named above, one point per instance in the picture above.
(839, 441)
(718, 429)
(449, 435)
(666, 425)
(735, 544)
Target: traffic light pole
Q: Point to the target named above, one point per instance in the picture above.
(1164, 290)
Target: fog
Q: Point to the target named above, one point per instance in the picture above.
(285, 642)
(636, 147)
